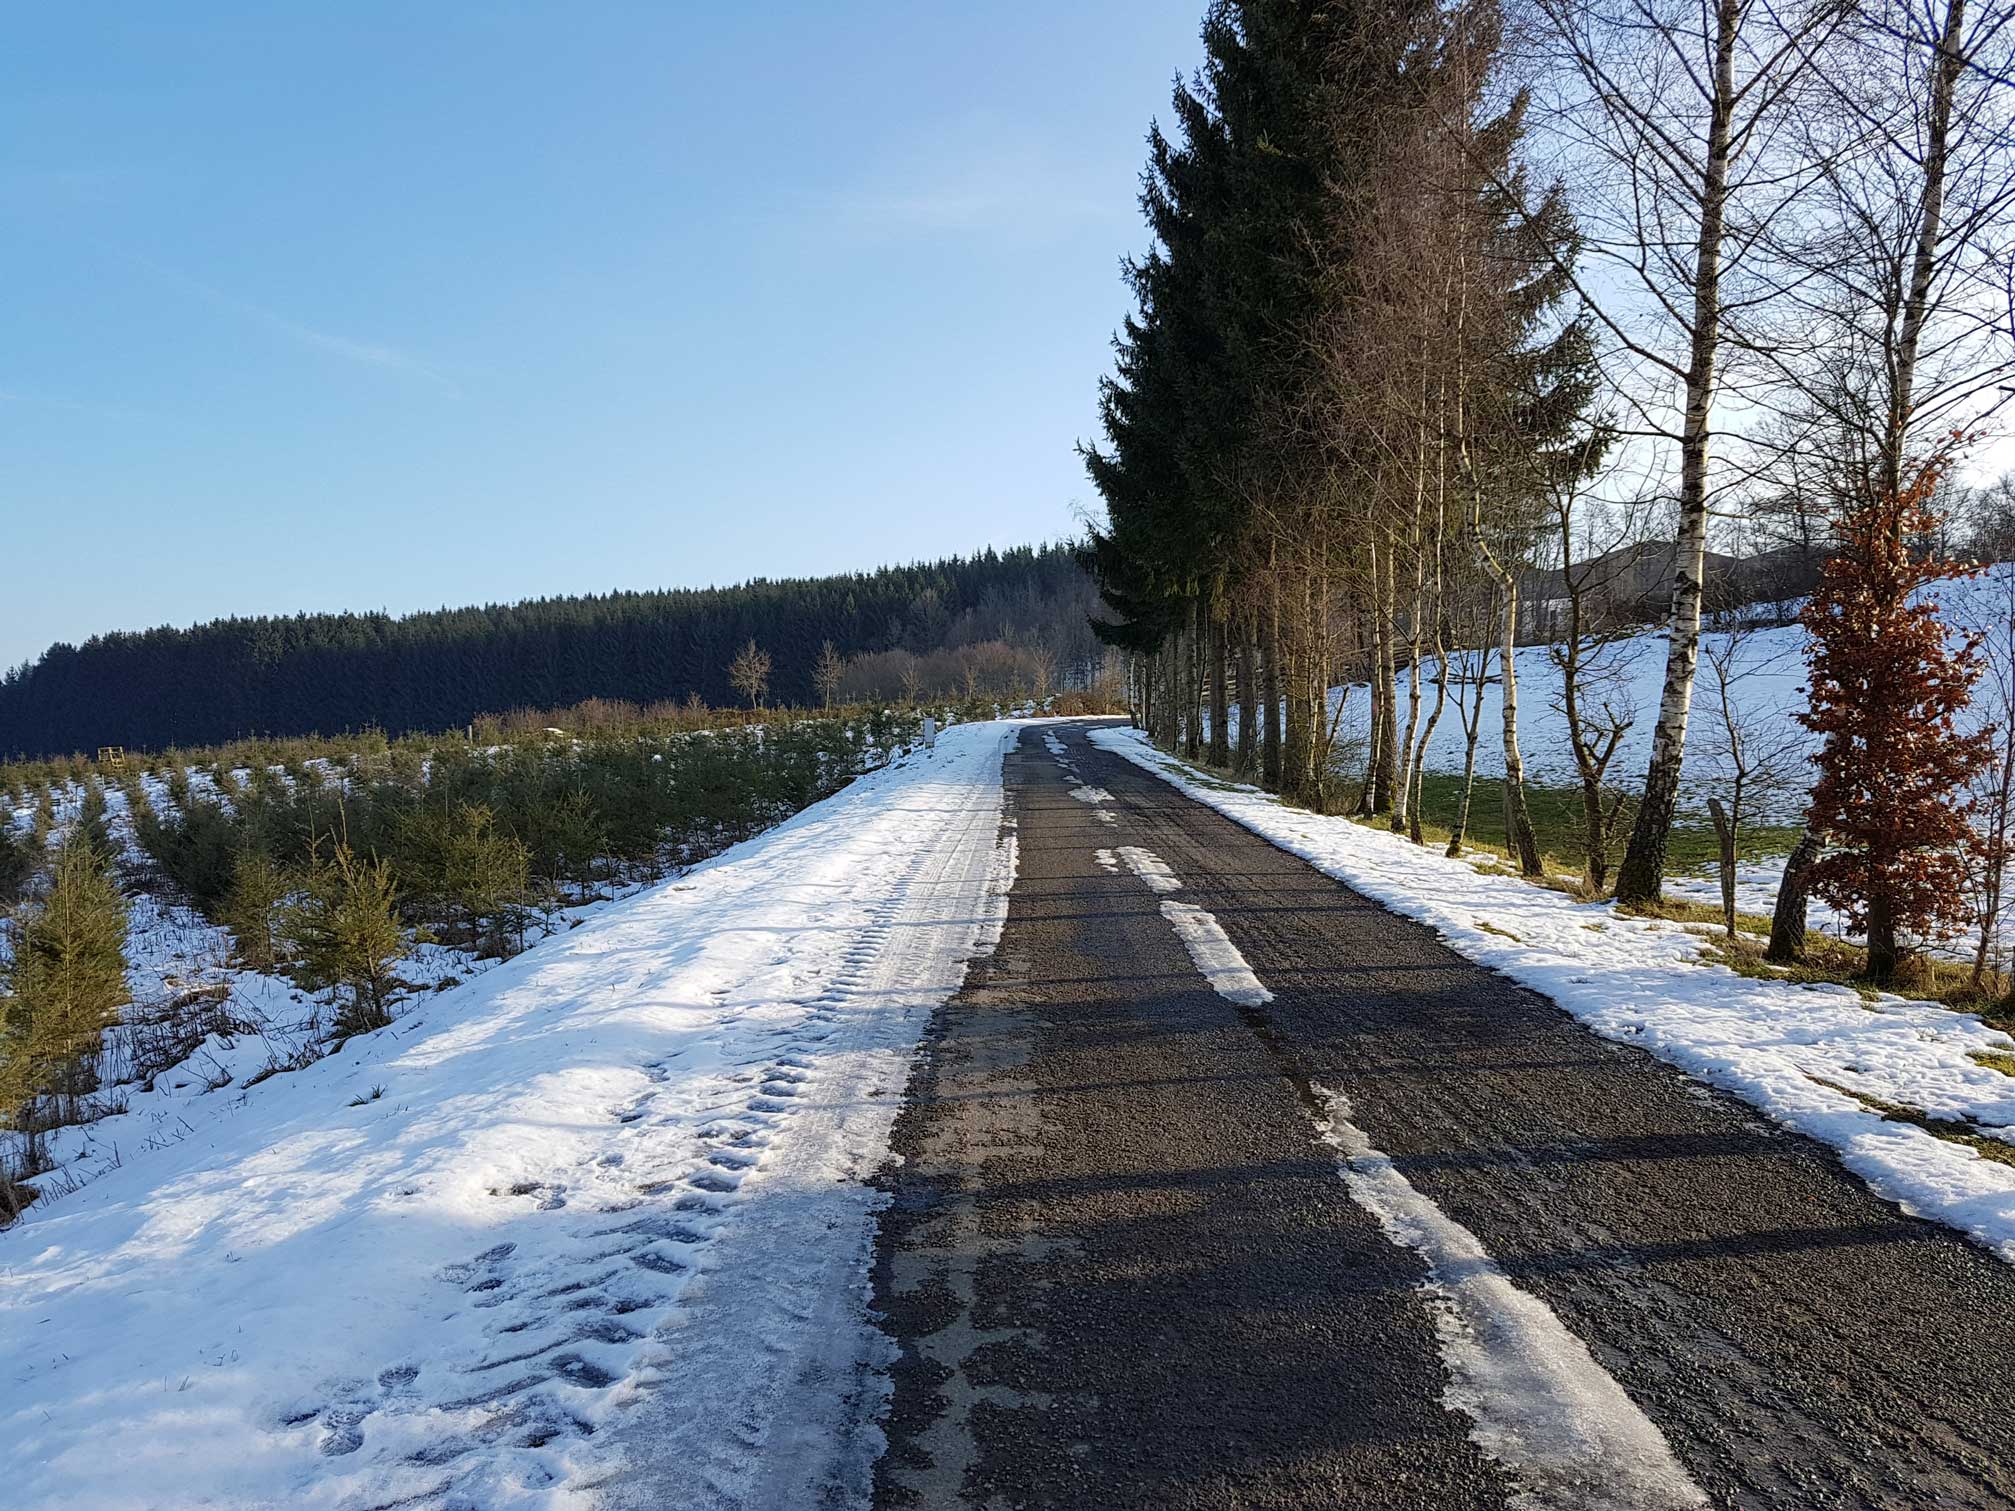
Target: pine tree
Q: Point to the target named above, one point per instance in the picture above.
(18, 1112)
(17, 864)
(344, 930)
(251, 910)
(1887, 686)
(485, 879)
(564, 837)
(66, 984)
(92, 822)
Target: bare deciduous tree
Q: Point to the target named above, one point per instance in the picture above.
(1672, 114)
(827, 672)
(749, 673)
(1909, 267)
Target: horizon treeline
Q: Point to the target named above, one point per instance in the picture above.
(237, 678)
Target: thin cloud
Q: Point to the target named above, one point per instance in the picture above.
(969, 182)
(364, 353)
(19, 397)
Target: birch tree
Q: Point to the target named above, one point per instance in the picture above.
(1671, 114)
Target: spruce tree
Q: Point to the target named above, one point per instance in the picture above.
(251, 910)
(92, 821)
(18, 1110)
(67, 981)
(43, 825)
(487, 879)
(344, 931)
(17, 864)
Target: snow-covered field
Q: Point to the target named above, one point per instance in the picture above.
(603, 1208)
(1782, 1046)
(1765, 671)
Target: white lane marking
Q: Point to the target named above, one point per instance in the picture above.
(1107, 816)
(1214, 953)
(1150, 868)
(1565, 1433)
(1538, 1403)
(1107, 860)
(1091, 794)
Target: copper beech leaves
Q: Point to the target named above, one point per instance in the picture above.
(1887, 686)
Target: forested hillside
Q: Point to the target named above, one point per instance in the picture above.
(924, 624)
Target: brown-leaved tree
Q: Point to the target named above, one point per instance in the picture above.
(1887, 686)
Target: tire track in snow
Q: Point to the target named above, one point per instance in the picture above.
(783, 1312)
(602, 1323)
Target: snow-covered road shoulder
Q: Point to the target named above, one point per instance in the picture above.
(593, 1227)
(1793, 1051)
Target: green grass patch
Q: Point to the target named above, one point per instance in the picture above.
(1995, 1060)
(1835, 962)
(1828, 961)
(1686, 911)
(1557, 824)
(1952, 1130)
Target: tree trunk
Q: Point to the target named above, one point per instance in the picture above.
(1366, 800)
(1923, 264)
(1248, 700)
(1191, 690)
(1298, 778)
(1517, 821)
(1594, 818)
(1724, 831)
(1387, 771)
(1373, 797)
(1787, 918)
(1471, 728)
(1640, 879)
(1220, 746)
(1595, 821)
(1270, 751)
(1403, 762)
(1996, 862)
(1427, 735)
(1882, 952)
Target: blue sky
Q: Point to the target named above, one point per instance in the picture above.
(391, 306)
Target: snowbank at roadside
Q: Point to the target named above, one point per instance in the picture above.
(599, 1208)
(1777, 1044)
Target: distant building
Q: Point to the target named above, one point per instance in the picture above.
(1632, 585)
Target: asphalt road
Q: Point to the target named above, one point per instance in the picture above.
(1123, 1268)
